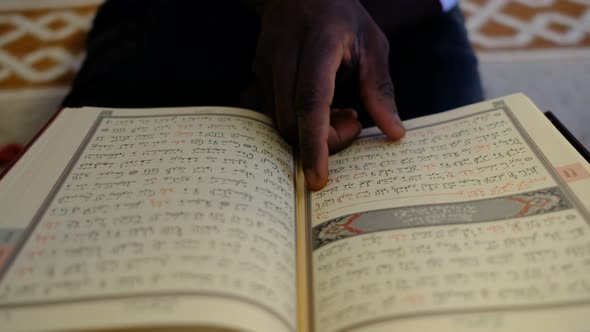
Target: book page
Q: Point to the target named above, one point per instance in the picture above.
(152, 218)
(479, 211)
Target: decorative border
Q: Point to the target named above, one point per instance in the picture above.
(51, 196)
(343, 223)
(106, 114)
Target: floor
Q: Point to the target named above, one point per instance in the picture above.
(540, 47)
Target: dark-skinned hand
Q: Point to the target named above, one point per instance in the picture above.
(302, 45)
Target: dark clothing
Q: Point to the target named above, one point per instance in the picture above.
(153, 53)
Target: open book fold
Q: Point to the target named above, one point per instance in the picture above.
(197, 219)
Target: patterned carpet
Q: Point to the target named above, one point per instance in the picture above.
(41, 47)
(528, 25)
(540, 47)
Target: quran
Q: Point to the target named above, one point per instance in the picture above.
(198, 219)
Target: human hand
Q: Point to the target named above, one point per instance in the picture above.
(302, 44)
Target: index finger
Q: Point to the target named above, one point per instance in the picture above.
(377, 89)
(316, 78)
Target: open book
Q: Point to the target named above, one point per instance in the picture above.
(192, 219)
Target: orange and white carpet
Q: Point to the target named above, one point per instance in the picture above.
(41, 47)
(539, 47)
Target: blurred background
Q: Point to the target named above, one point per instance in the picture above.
(539, 47)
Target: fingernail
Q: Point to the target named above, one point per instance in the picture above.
(313, 179)
(398, 119)
(400, 124)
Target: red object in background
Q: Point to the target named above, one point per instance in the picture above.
(22, 149)
(9, 152)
